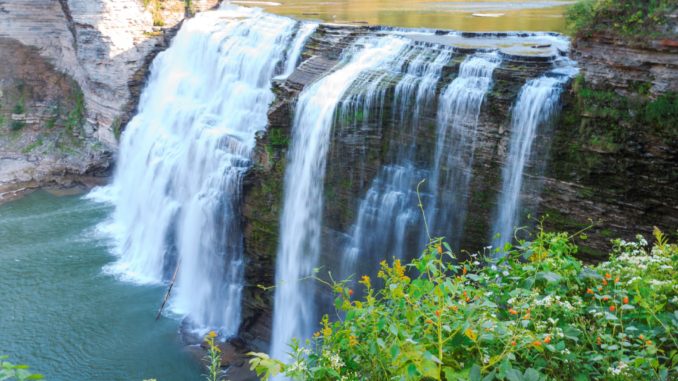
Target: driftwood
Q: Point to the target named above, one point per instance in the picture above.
(169, 290)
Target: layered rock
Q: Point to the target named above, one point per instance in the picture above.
(356, 154)
(615, 156)
(102, 48)
(588, 166)
(611, 61)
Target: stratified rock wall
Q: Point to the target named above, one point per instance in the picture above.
(591, 164)
(609, 61)
(615, 152)
(105, 47)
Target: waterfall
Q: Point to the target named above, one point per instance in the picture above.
(177, 185)
(305, 31)
(457, 121)
(537, 102)
(389, 214)
(294, 312)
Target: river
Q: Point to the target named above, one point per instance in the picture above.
(65, 318)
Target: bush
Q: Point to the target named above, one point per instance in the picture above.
(631, 18)
(536, 313)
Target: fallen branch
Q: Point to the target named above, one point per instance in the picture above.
(169, 290)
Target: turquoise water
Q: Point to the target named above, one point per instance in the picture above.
(62, 316)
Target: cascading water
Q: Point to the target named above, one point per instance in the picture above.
(305, 31)
(389, 212)
(294, 313)
(457, 121)
(177, 186)
(537, 102)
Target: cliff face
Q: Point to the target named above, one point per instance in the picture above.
(100, 50)
(615, 156)
(608, 158)
(356, 154)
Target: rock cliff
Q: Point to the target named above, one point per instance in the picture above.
(599, 161)
(94, 55)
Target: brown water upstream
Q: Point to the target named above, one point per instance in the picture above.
(497, 15)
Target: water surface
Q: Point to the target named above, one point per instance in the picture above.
(530, 15)
(62, 316)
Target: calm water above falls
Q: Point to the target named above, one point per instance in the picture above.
(61, 315)
(531, 15)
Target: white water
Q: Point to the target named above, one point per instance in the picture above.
(389, 212)
(294, 311)
(178, 180)
(305, 31)
(457, 123)
(537, 102)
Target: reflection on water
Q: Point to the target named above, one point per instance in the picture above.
(534, 15)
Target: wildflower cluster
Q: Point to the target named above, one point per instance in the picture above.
(535, 313)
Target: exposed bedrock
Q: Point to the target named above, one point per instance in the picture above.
(587, 165)
(71, 77)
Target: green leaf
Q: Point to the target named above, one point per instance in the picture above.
(532, 375)
(514, 375)
(474, 375)
(550, 277)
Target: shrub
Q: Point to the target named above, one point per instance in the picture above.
(536, 313)
(631, 18)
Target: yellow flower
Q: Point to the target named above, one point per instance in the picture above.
(352, 340)
(399, 268)
(366, 281)
(327, 331)
(212, 334)
(471, 334)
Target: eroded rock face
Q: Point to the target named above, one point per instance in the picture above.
(356, 154)
(609, 61)
(627, 185)
(41, 112)
(615, 149)
(103, 47)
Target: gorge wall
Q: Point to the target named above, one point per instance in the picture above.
(597, 162)
(74, 69)
(71, 76)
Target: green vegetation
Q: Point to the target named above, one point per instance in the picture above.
(37, 143)
(156, 11)
(76, 117)
(278, 138)
(12, 372)
(534, 313)
(213, 358)
(605, 119)
(189, 7)
(117, 128)
(19, 108)
(630, 18)
(17, 125)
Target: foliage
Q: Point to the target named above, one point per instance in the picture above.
(76, 117)
(534, 313)
(631, 18)
(662, 114)
(11, 372)
(19, 108)
(213, 357)
(618, 114)
(17, 125)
